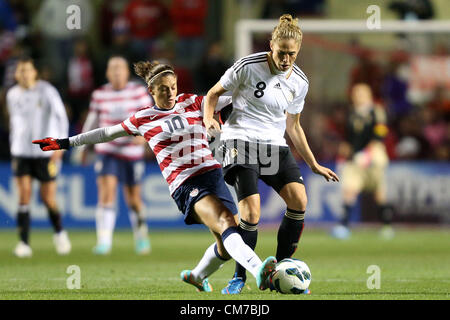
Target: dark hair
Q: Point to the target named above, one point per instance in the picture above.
(150, 70)
(26, 59)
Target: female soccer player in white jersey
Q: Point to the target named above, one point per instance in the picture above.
(35, 109)
(268, 96)
(119, 161)
(177, 136)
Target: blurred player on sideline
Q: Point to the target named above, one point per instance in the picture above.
(365, 160)
(35, 108)
(119, 161)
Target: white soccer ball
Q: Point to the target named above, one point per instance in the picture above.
(291, 276)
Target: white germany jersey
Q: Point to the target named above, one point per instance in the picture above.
(35, 113)
(177, 137)
(261, 99)
(111, 107)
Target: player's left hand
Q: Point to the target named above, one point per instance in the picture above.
(49, 144)
(212, 127)
(328, 174)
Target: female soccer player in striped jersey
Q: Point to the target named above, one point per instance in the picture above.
(269, 90)
(175, 132)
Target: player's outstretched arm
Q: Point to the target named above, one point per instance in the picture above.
(91, 137)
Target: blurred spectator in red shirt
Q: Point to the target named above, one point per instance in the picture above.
(188, 19)
(148, 21)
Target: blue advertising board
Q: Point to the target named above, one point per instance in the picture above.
(419, 188)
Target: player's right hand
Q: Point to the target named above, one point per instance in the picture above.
(49, 144)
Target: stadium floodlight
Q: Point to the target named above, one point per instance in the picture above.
(245, 28)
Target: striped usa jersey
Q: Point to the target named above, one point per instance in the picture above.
(177, 137)
(261, 97)
(111, 107)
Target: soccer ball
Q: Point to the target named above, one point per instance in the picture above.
(291, 276)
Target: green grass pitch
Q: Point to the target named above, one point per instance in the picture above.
(414, 265)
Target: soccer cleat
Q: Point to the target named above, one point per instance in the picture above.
(102, 249)
(22, 250)
(143, 246)
(62, 243)
(186, 276)
(264, 272)
(234, 286)
(341, 232)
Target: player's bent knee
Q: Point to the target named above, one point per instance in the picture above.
(294, 195)
(298, 202)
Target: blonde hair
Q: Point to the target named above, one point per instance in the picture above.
(287, 28)
(150, 71)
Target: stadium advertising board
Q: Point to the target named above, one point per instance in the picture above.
(419, 192)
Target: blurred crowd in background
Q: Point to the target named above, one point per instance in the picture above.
(188, 34)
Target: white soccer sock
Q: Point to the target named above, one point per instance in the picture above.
(239, 251)
(105, 219)
(210, 263)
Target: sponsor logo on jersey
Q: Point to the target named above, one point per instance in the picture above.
(194, 192)
(277, 86)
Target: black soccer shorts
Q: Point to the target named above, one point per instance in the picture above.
(42, 169)
(244, 163)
